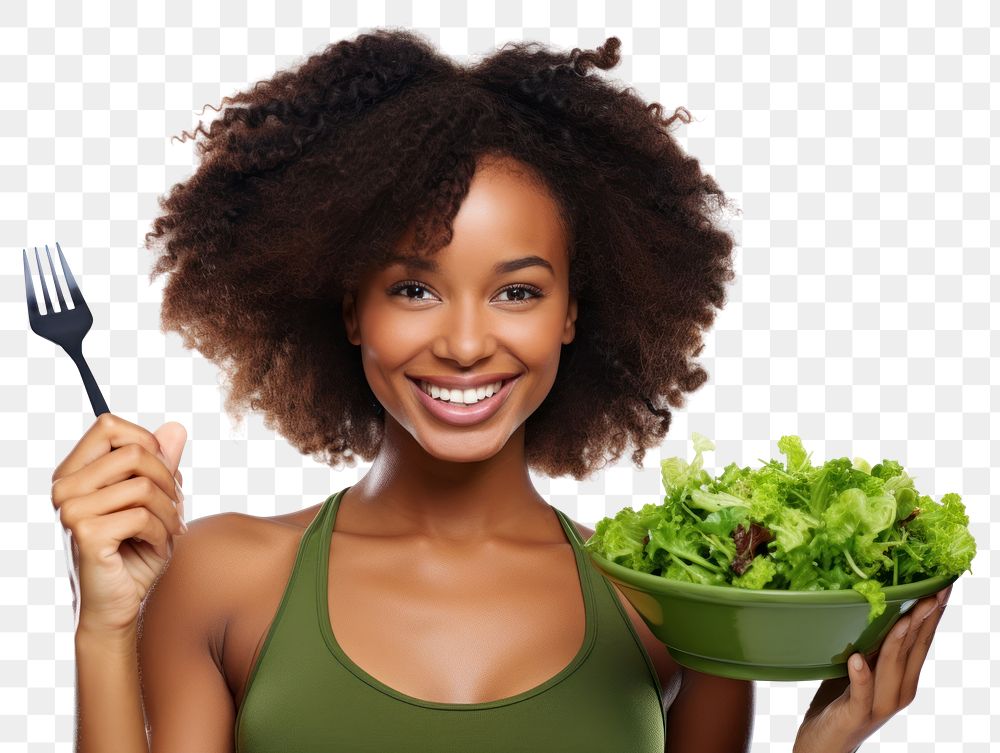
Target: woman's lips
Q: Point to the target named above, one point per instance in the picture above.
(461, 414)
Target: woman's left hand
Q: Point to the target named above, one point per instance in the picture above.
(839, 720)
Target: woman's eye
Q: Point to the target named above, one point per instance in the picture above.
(408, 288)
(520, 293)
(415, 291)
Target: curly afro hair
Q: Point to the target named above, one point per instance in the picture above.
(311, 177)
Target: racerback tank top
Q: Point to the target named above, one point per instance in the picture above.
(305, 695)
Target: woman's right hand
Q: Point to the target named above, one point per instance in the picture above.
(118, 500)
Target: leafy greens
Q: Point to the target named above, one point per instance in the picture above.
(791, 526)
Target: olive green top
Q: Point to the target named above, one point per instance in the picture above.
(305, 694)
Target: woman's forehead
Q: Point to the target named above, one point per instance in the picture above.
(504, 213)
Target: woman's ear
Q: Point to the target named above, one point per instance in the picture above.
(570, 330)
(350, 314)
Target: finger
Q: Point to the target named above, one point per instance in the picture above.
(924, 635)
(177, 493)
(132, 460)
(178, 480)
(872, 656)
(889, 669)
(944, 594)
(100, 537)
(923, 609)
(861, 691)
(138, 492)
(172, 437)
(106, 433)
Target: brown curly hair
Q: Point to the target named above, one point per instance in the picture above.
(313, 175)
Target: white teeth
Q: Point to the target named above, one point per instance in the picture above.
(467, 397)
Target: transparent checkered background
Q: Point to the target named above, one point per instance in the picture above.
(855, 136)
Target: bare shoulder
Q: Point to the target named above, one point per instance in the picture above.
(208, 561)
(226, 577)
(668, 670)
(229, 565)
(214, 566)
(186, 699)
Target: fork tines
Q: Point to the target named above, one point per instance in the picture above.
(74, 290)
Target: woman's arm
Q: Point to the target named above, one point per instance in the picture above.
(157, 687)
(710, 715)
(108, 705)
(188, 705)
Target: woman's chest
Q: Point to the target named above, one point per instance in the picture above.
(469, 624)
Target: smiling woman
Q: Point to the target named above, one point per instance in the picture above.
(481, 316)
(523, 262)
(320, 175)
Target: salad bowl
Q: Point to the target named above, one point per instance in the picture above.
(762, 634)
(781, 572)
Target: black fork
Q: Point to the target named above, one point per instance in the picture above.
(66, 327)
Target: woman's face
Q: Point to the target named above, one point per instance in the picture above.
(492, 306)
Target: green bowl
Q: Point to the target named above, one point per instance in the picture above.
(762, 634)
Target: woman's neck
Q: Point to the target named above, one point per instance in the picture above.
(411, 492)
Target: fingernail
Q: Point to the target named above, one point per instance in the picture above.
(856, 662)
(180, 494)
(184, 526)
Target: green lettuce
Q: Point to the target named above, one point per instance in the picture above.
(791, 525)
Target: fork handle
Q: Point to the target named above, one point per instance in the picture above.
(93, 391)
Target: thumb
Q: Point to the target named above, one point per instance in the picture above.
(171, 436)
(861, 691)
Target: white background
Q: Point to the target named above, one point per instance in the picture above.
(856, 137)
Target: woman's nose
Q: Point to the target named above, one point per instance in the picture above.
(466, 333)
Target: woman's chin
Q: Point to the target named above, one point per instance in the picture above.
(460, 449)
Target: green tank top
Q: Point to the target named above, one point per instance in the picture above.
(305, 695)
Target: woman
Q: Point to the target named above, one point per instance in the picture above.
(459, 274)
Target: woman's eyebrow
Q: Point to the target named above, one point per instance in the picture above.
(503, 267)
(525, 261)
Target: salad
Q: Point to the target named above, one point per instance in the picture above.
(791, 525)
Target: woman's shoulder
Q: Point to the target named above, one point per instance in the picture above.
(223, 530)
(212, 604)
(261, 535)
(668, 670)
(226, 560)
(233, 546)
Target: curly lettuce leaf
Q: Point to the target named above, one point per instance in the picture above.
(843, 524)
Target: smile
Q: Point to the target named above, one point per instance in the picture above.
(463, 407)
(467, 396)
